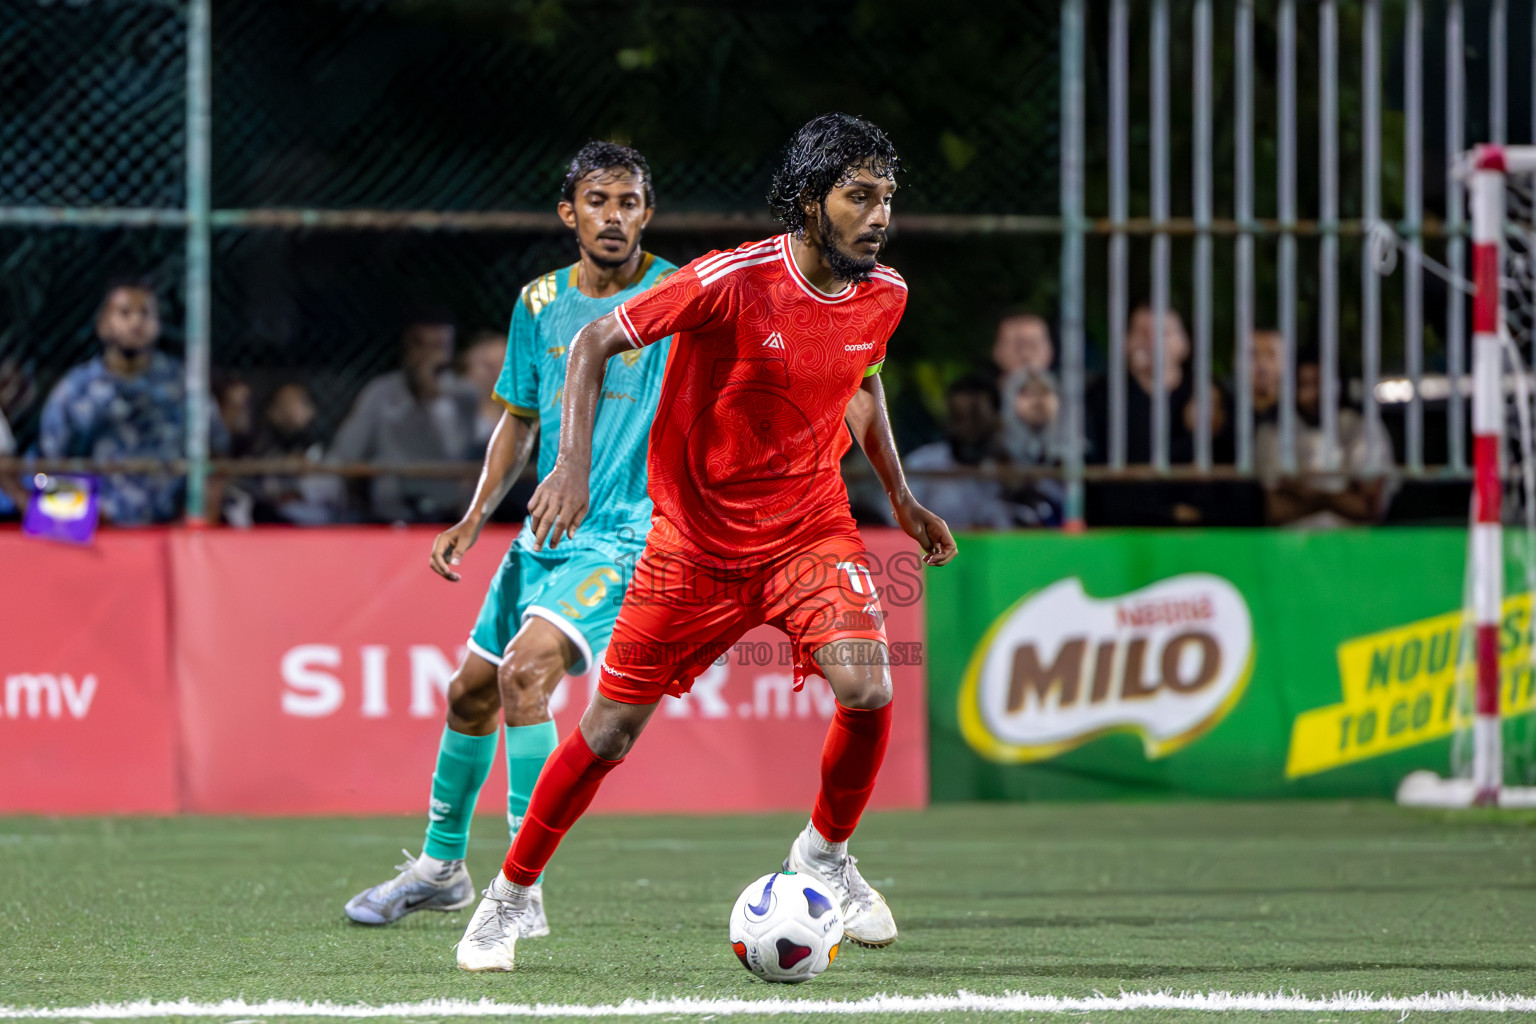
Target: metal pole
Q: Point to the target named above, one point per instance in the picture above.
(1286, 189)
(1497, 75)
(1370, 283)
(199, 256)
(1073, 15)
(1202, 209)
(1119, 209)
(1160, 241)
(1455, 248)
(1413, 217)
(1328, 270)
(1244, 217)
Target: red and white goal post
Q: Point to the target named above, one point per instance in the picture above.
(1492, 174)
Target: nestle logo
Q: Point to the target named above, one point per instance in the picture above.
(1170, 612)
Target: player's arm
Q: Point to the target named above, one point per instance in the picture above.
(871, 427)
(560, 503)
(505, 455)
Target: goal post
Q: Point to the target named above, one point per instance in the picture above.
(1489, 173)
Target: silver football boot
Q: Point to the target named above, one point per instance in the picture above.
(410, 891)
(490, 940)
(866, 919)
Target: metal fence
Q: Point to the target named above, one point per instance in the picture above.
(1295, 238)
(290, 172)
(294, 174)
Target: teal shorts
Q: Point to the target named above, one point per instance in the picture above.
(578, 590)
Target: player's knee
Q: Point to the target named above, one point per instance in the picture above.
(525, 678)
(472, 699)
(865, 687)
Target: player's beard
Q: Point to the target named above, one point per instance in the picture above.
(606, 262)
(844, 265)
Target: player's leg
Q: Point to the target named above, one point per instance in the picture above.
(833, 615)
(636, 673)
(438, 880)
(571, 600)
(537, 659)
(564, 791)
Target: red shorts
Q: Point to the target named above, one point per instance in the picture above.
(679, 615)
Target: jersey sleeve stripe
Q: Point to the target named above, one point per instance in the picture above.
(712, 276)
(629, 327)
(874, 368)
(516, 410)
(709, 262)
(890, 277)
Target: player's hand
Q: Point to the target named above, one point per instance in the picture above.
(449, 548)
(558, 506)
(931, 532)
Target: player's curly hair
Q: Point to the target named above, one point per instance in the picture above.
(602, 156)
(819, 156)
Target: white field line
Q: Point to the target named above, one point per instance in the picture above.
(961, 1002)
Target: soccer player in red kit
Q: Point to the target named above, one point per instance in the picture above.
(775, 358)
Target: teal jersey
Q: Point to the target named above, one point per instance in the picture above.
(549, 312)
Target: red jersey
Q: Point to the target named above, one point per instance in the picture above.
(749, 431)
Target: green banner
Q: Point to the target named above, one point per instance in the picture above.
(1218, 663)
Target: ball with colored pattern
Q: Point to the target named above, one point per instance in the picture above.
(786, 927)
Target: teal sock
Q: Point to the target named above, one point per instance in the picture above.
(463, 762)
(528, 747)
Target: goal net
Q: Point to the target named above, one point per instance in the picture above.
(1493, 749)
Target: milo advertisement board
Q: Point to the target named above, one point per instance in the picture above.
(1204, 663)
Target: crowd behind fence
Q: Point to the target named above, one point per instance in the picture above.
(302, 186)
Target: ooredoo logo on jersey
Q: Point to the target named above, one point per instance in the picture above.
(1061, 668)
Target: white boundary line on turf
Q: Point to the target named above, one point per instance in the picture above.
(1012, 1002)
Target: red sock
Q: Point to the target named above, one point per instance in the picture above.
(565, 788)
(850, 760)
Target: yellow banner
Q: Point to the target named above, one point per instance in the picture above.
(1400, 689)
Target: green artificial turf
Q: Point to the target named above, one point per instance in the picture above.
(1068, 900)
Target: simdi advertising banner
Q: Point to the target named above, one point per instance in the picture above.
(87, 710)
(1212, 663)
(313, 666)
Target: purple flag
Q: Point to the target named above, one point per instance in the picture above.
(63, 508)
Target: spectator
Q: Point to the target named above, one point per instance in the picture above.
(972, 441)
(419, 413)
(1022, 342)
(481, 366)
(1031, 437)
(1141, 389)
(1268, 366)
(127, 403)
(12, 495)
(1030, 406)
(289, 430)
(1362, 457)
(233, 397)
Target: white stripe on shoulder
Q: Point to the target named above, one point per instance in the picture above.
(711, 262)
(890, 277)
(731, 268)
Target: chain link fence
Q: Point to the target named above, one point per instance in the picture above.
(385, 109)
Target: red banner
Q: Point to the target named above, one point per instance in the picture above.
(87, 711)
(312, 667)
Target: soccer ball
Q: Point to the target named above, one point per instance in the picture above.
(786, 927)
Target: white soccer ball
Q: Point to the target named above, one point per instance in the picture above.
(786, 927)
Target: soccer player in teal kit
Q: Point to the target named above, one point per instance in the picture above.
(547, 611)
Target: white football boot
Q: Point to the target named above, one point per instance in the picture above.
(866, 919)
(490, 941)
(532, 924)
(411, 890)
